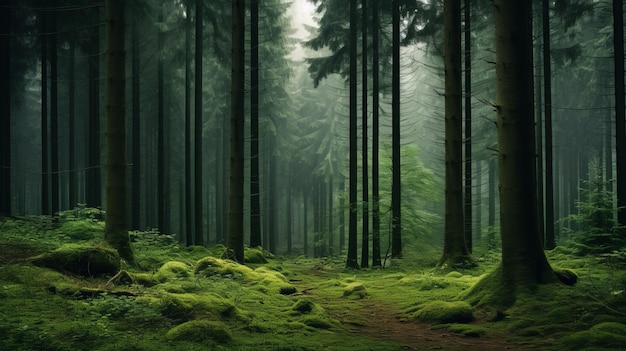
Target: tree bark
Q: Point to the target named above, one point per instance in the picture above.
(198, 122)
(468, 215)
(620, 118)
(396, 191)
(455, 250)
(235, 213)
(376, 262)
(255, 190)
(364, 152)
(115, 228)
(5, 108)
(45, 180)
(351, 261)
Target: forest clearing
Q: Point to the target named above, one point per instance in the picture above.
(187, 298)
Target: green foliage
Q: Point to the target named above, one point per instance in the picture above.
(85, 260)
(603, 336)
(598, 231)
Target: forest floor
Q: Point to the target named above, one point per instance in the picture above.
(188, 298)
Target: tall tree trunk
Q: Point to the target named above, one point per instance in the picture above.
(331, 224)
(376, 262)
(94, 180)
(198, 215)
(272, 199)
(73, 193)
(115, 228)
(468, 124)
(188, 194)
(396, 191)
(342, 216)
(54, 115)
(255, 192)
(455, 250)
(135, 213)
(364, 154)
(289, 210)
(160, 188)
(524, 264)
(620, 119)
(491, 215)
(351, 261)
(235, 213)
(5, 108)
(45, 180)
(305, 224)
(550, 241)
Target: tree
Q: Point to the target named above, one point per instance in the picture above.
(455, 249)
(199, 223)
(255, 190)
(620, 119)
(375, 137)
(547, 91)
(467, 57)
(524, 264)
(5, 108)
(396, 191)
(115, 228)
(45, 180)
(235, 213)
(351, 261)
(364, 153)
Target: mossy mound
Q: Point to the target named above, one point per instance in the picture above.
(82, 229)
(172, 270)
(254, 255)
(443, 312)
(303, 306)
(463, 329)
(85, 260)
(603, 336)
(355, 289)
(201, 331)
(188, 306)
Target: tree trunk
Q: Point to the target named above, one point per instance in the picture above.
(45, 183)
(620, 119)
(351, 261)
(455, 250)
(160, 188)
(54, 115)
(255, 191)
(5, 108)
(524, 264)
(550, 242)
(376, 262)
(73, 193)
(491, 216)
(115, 228)
(364, 154)
(94, 180)
(188, 194)
(198, 215)
(396, 192)
(468, 126)
(235, 213)
(135, 212)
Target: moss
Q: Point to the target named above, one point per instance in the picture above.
(254, 255)
(454, 274)
(607, 335)
(85, 260)
(172, 270)
(463, 329)
(444, 312)
(318, 321)
(303, 306)
(82, 230)
(201, 331)
(355, 289)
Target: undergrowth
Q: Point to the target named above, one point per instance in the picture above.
(187, 298)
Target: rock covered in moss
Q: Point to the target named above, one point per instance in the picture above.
(85, 260)
(444, 312)
(201, 331)
(303, 306)
(254, 255)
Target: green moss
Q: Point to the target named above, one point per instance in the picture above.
(303, 306)
(454, 274)
(201, 331)
(463, 329)
(85, 260)
(187, 306)
(607, 335)
(82, 229)
(355, 289)
(444, 312)
(172, 270)
(254, 255)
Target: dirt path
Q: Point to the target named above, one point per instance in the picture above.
(381, 321)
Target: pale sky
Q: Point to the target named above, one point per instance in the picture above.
(301, 12)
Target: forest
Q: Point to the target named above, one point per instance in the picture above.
(312, 175)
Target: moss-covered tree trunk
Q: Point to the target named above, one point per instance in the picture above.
(115, 228)
(524, 264)
(455, 249)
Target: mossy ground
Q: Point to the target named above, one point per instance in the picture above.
(188, 298)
